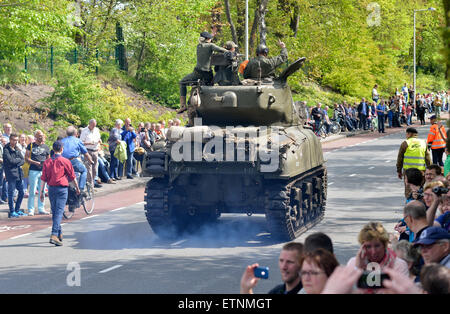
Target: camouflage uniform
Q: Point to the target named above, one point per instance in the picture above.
(267, 65)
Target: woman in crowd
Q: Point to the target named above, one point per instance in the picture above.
(407, 252)
(316, 268)
(375, 253)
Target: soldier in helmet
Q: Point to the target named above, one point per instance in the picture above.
(202, 70)
(261, 67)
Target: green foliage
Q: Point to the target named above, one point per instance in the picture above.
(79, 97)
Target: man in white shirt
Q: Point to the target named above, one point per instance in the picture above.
(90, 136)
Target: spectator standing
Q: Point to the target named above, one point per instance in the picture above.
(375, 96)
(57, 172)
(420, 109)
(113, 141)
(2, 180)
(36, 154)
(317, 115)
(415, 217)
(91, 139)
(12, 162)
(73, 149)
(438, 106)
(436, 140)
(405, 93)
(289, 265)
(128, 137)
(363, 112)
(407, 252)
(380, 110)
(7, 130)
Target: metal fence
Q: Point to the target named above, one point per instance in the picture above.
(43, 62)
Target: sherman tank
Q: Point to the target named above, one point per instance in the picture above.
(247, 151)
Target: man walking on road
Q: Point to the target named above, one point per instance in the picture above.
(436, 140)
(57, 172)
(413, 153)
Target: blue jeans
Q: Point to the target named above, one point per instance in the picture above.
(129, 163)
(34, 179)
(114, 167)
(3, 191)
(58, 199)
(14, 184)
(380, 122)
(81, 169)
(101, 171)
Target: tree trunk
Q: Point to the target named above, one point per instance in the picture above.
(141, 54)
(240, 30)
(262, 22)
(254, 28)
(230, 21)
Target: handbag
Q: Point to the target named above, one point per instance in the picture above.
(26, 166)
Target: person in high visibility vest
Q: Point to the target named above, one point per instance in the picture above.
(436, 140)
(413, 153)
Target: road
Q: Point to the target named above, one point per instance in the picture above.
(117, 252)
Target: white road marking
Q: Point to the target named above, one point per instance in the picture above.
(117, 209)
(331, 183)
(88, 217)
(179, 242)
(387, 161)
(371, 168)
(20, 236)
(140, 203)
(352, 175)
(109, 269)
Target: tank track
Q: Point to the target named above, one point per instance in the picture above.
(156, 207)
(294, 206)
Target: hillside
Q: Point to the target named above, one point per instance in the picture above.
(24, 106)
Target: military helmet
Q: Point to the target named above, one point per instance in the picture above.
(262, 49)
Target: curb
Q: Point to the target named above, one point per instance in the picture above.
(107, 190)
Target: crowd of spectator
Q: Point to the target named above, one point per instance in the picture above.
(414, 257)
(97, 163)
(379, 113)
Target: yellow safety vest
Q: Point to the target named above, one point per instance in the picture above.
(414, 156)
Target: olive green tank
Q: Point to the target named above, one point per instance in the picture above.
(247, 152)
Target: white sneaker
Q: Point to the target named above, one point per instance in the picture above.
(30, 213)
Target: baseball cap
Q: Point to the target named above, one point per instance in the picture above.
(431, 235)
(206, 35)
(412, 130)
(57, 146)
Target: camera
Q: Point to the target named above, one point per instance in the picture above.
(420, 194)
(261, 272)
(439, 190)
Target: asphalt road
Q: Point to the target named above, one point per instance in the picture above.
(117, 252)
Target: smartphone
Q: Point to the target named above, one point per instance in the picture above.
(262, 272)
(372, 280)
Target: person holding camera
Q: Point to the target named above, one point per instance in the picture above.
(441, 201)
(374, 251)
(289, 264)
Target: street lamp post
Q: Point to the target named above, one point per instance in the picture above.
(429, 9)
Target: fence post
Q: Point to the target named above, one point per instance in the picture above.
(75, 56)
(51, 61)
(26, 63)
(96, 67)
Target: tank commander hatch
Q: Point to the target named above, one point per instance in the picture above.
(202, 70)
(262, 67)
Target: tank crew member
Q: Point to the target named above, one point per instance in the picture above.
(202, 70)
(226, 75)
(262, 66)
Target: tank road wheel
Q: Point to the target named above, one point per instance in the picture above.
(161, 219)
(283, 211)
(292, 208)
